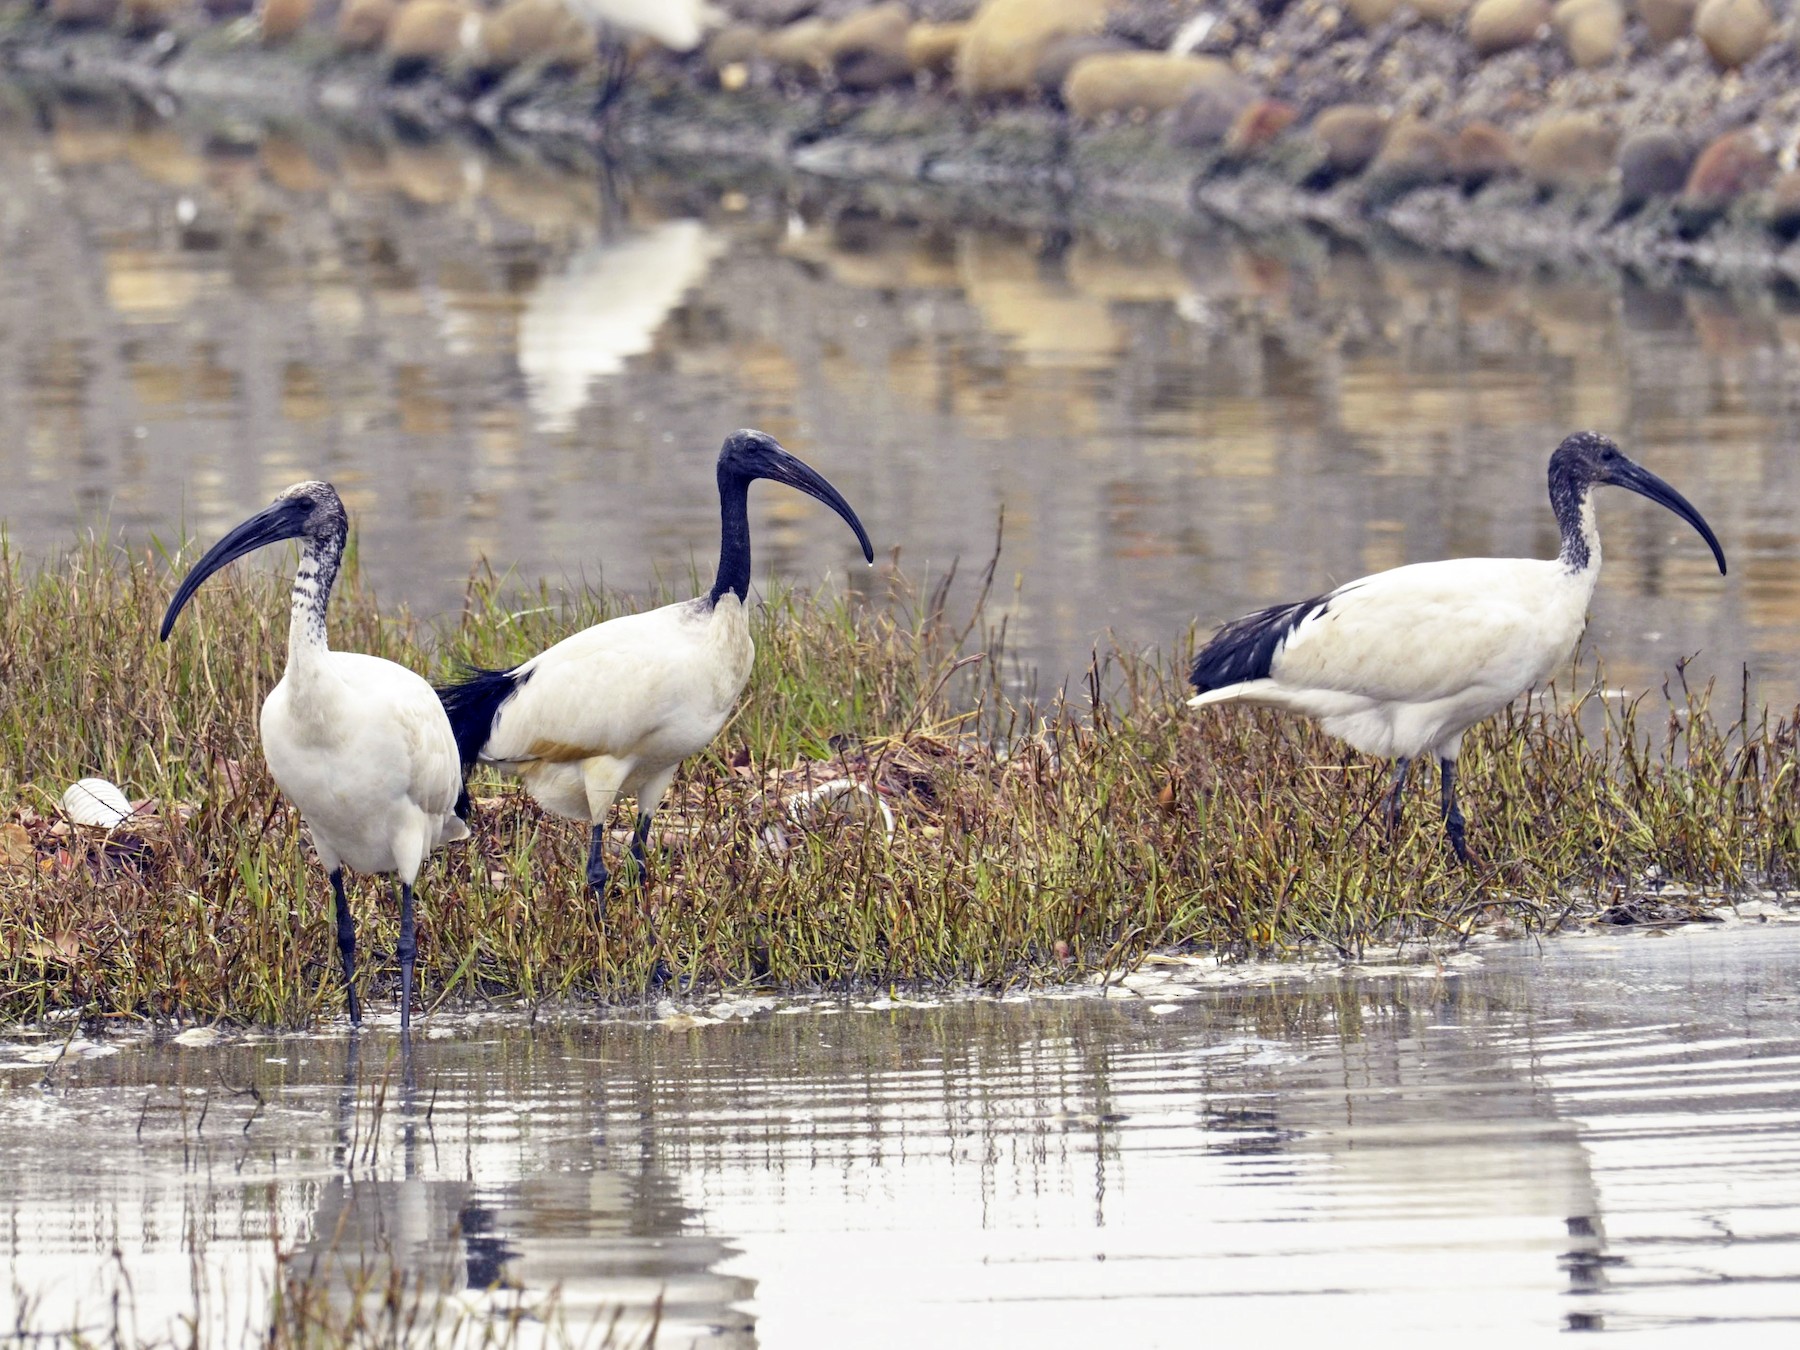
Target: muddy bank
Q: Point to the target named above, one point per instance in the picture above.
(1658, 137)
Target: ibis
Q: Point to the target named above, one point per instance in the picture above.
(1403, 663)
(361, 745)
(615, 708)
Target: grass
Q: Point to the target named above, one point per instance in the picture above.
(1029, 843)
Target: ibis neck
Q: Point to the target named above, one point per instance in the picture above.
(734, 538)
(312, 595)
(1573, 501)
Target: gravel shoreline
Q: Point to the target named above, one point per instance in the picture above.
(1657, 158)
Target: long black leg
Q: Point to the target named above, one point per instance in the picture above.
(1395, 793)
(596, 868)
(615, 61)
(346, 941)
(408, 952)
(639, 837)
(1453, 816)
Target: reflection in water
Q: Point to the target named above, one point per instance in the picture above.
(606, 304)
(1180, 423)
(1604, 1133)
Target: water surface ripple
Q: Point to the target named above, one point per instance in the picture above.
(1601, 1134)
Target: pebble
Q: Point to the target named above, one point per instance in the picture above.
(1734, 31)
(1497, 26)
(1592, 31)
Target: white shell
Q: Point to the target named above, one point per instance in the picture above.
(94, 801)
(839, 798)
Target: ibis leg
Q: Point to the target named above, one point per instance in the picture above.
(1453, 816)
(408, 952)
(596, 867)
(1395, 793)
(346, 943)
(639, 837)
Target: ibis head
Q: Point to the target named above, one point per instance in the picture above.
(748, 455)
(1588, 459)
(309, 511)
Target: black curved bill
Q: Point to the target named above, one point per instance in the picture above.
(1646, 484)
(796, 473)
(283, 520)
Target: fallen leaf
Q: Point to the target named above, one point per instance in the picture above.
(15, 847)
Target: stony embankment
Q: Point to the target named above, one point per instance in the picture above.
(1658, 134)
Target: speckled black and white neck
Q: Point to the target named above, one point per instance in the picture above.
(322, 552)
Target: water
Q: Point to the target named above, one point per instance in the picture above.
(1180, 424)
(1601, 1134)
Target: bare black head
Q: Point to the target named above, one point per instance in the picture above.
(1587, 460)
(309, 511)
(746, 456)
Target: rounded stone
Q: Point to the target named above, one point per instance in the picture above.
(1592, 31)
(999, 53)
(1151, 82)
(801, 48)
(1371, 14)
(1206, 118)
(1571, 153)
(143, 17)
(1734, 31)
(1060, 55)
(1497, 26)
(428, 32)
(522, 32)
(83, 13)
(1443, 13)
(1351, 135)
(1259, 124)
(1737, 162)
(932, 46)
(1782, 213)
(1414, 155)
(1653, 163)
(868, 49)
(279, 21)
(1667, 20)
(362, 25)
(1483, 153)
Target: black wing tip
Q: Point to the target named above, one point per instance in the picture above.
(471, 704)
(1245, 649)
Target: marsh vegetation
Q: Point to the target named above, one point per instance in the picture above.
(1030, 840)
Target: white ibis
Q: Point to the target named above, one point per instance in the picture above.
(359, 744)
(678, 25)
(614, 708)
(1402, 663)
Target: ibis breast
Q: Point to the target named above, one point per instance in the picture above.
(363, 748)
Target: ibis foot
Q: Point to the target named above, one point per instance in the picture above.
(346, 944)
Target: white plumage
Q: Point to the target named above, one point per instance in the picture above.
(676, 24)
(1403, 663)
(361, 745)
(615, 708)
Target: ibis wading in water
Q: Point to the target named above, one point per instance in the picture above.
(1402, 663)
(614, 708)
(359, 744)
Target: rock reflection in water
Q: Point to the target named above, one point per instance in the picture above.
(1180, 424)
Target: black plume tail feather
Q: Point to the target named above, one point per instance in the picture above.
(472, 703)
(1245, 648)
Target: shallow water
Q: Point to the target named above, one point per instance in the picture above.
(1180, 424)
(1599, 1134)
